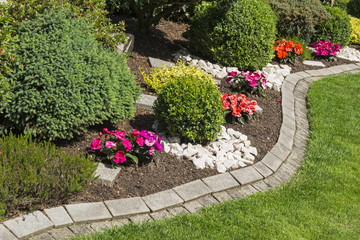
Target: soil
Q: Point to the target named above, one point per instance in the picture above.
(162, 41)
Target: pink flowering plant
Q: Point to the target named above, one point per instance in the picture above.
(238, 108)
(120, 146)
(326, 49)
(253, 82)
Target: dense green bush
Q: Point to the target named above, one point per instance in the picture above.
(336, 3)
(353, 8)
(94, 11)
(299, 17)
(337, 29)
(239, 34)
(190, 109)
(66, 80)
(355, 33)
(35, 172)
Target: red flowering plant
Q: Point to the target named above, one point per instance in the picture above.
(326, 49)
(241, 107)
(287, 50)
(253, 82)
(118, 145)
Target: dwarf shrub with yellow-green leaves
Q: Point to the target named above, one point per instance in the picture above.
(160, 76)
(355, 33)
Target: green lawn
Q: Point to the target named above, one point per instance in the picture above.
(322, 201)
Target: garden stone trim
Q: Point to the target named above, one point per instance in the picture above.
(275, 169)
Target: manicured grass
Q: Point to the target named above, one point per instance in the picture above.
(322, 201)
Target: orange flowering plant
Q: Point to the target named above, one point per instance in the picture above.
(240, 107)
(287, 50)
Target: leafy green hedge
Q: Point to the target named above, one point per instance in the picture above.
(66, 81)
(36, 172)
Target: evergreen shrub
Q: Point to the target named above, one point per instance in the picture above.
(353, 8)
(337, 29)
(66, 80)
(355, 33)
(299, 17)
(190, 109)
(160, 76)
(32, 172)
(238, 33)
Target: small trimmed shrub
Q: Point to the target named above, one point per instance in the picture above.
(337, 29)
(190, 109)
(32, 172)
(353, 8)
(66, 81)
(299, 18)
(239, 34)
(355, 33)
(160, 76)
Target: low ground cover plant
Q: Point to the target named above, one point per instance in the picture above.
(66, 80)
(238, 107)
(326, 49)
(337, 29)
(234, 33)
(287, 50)
(162, 75)
(190, 109)
(251, 82)
(33, 173)
(119, 145)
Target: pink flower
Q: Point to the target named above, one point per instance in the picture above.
(253, 83)
(337, 47)
(332, 52)
(95, 145)
(105, 130)
(119, 157)
(150, 141)
(158, 146)
(263, 83)
(140, 141)
(151, 150)
(119, 135)
(135, 133)
(127, 144)
(232, 74)
(228, 80)
(110, 144)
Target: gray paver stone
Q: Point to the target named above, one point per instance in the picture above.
(286, 137)
(289, 121)
(288, 106)
(358, 64)
(192, 190)
(325, 72)
(156, 62)
(263, 169)
(335, 69)
(287, 86)
(100, 226)
(59, 216)
(88, 212)
(193, 206)
(312, 79)
(271, 161)
(161, 200)
(177, 210)
(220, 182)
(303, 74)
(6, 234)
(128, 46)
(246, 175)
(163, 214)
(61, 233)
(242, 192)
(272, 182)
(43, 236)
(314, 63)
(29, 224)
(127, 206)
(355, 71)
(140, 218)
(280, 151)
(81, 229)
(207, 200)
(119, 222)
(106, 174)
(348, 67)
(222, 196)
(261, 186)
(145, 101)
(287, 97)
(282, 175)
(292, 78)
(314, 73)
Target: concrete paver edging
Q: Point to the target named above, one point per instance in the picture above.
(275, 169)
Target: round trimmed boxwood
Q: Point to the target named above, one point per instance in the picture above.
(337, 29)
(190, 109)
(66, 80)
(239, 34)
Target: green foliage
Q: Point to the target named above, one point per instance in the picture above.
(355, 33)
(337, 3)
(35, 172)
(66, 80)
(337, 29)
(306, 55)
(93, 11)
(299, 17)
(190, 109)
(353, 8)
(160, 76)
(240, 34)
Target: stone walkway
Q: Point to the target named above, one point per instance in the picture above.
(275, 169)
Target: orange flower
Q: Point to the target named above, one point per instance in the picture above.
(281, 54)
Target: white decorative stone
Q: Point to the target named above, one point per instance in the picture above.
(199, 163)
(174, 140)
(243, 138)
(194, 62)
(202, 64)
(221, 168)
(247, 143)
(221, 74)
(253, 151)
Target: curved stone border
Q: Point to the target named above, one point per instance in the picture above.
(275, 169)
